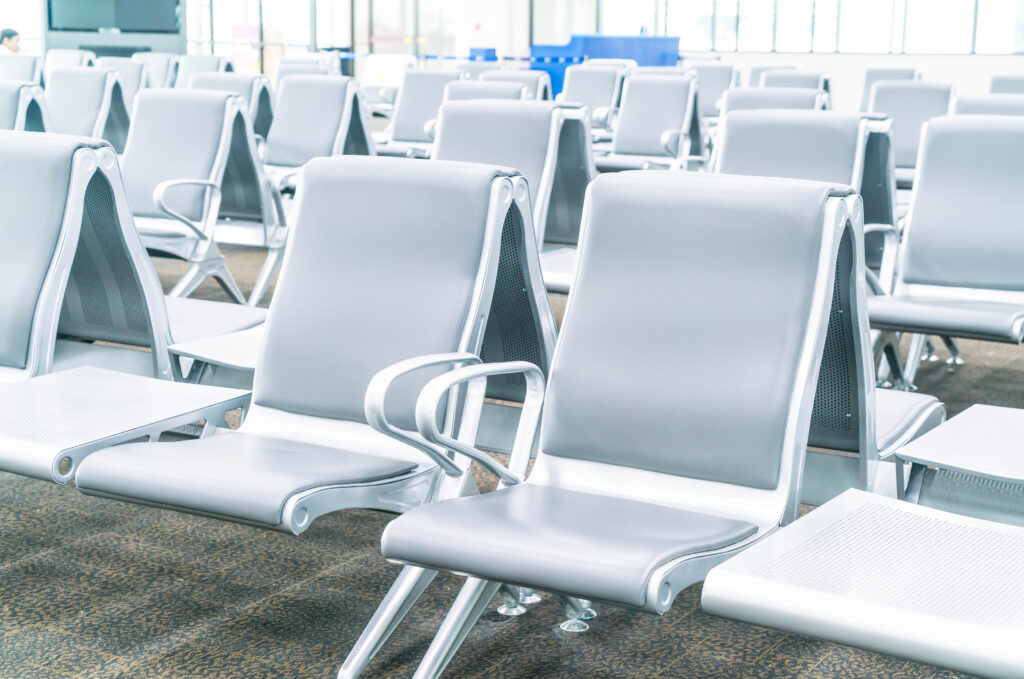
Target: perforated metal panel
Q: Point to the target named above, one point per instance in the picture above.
(973, 496)
(513, 332)
(356, 143)
(240, 188)
(104, 299)
(835, 419)
(883, 555)
(34, 117)
(569, 186)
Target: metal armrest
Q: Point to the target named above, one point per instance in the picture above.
(430, 128)
(670, 141)
(526, 433)
(602, 117)
(284, 181)
(376, 395)
(159, 197)
(883, 283)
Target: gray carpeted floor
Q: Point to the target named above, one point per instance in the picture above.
(95, 588)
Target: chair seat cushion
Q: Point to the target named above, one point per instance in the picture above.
(559, 267)
(901, 416)
(193, 319)
(621, 162)
(993, 321)
(239, 476)
(560, 540)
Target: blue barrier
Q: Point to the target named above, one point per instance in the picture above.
(645, 50)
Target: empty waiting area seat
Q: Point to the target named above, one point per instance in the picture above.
(418, 101)
(461, 90)
(1007, 84)
(794, 77)
(990, 104)
(161, 67)
(910, 104)
(132, 75)
(66, 58)
(959, 275)
(714, 79)
(538, 83)
(23, 67)
(875, 73)
(637, 490)
(752, 98)
(88, 102)
(255, 89)
(598, 88)
(191, 64)
(23, 107)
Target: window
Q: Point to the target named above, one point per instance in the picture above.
(793, 25)
(629, 17)
(826, 26)
(999, 24)
(27, 20)
(866, 26)
(726, 25)
(756, 26)
(333, 24)
(692, 21)
(556, 21)
(939, 27)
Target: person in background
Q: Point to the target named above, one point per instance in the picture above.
(9, 41)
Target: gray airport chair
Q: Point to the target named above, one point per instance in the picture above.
(315, 116)
(462, 90)
(910, 104)
(754, 98)
(65, 58)
(549, 144)
(132, 75)
(472, 69)
(958, 274)
(794, 77)
(623, 64)
(638, 488)
(381, 79)
(822, 146)
(714, 79)
(875, 73)
(597, 88)
(889, 576)
(842, 149)
(162, 67)
(314, 64)
(189, 166)
(990, 104)
(88, 102)
(82, 287)
(758, 70)
(418, 101)
(538, 83)
(191, 64)
(23, 67)
(657, 126)
(255, 89)
(308, 445)
(1006, 84)
(23, 107)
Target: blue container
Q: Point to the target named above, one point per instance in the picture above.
(644, 49)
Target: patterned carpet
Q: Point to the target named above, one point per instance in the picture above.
(95, 588)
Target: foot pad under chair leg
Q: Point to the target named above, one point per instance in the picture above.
(510, 605)
(574, 610)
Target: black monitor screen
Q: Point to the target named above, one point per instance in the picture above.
(128, 16)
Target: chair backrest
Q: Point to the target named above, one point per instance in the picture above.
(317, 115)
(463, 90)
(963, 229)
(132, 75)
(758, 70)
(1007, 84)
(651, 106)
(990, 104)
(538, 83)
(193, 134)
(418, 100)
(714, 79)
(72, 247)
(304, 67)
(255, 89)
(876, 73)
(422, 241)
(665, 398)
(592, 86)
(87, 101)
(547, 143)
(474, 68)
(162, 67)
(65, 58)
(623, 64)
(22, 107)
(753, 98)
(24, 67)
(191, 64)
(910, 104)
(796, 78)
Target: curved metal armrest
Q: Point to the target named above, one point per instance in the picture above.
(670, 140)
(376, 396)
(526, 433)
(159, 197)
(430, 128)
(602, 116)
(883, 283)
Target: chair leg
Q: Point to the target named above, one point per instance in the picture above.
(404, 593)
(913, 361)
(574, 610)
(188, 283)
(270, 266)
(954, 351)
(228, 284)
(528, 596)
(510, 601)
(466, 610)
